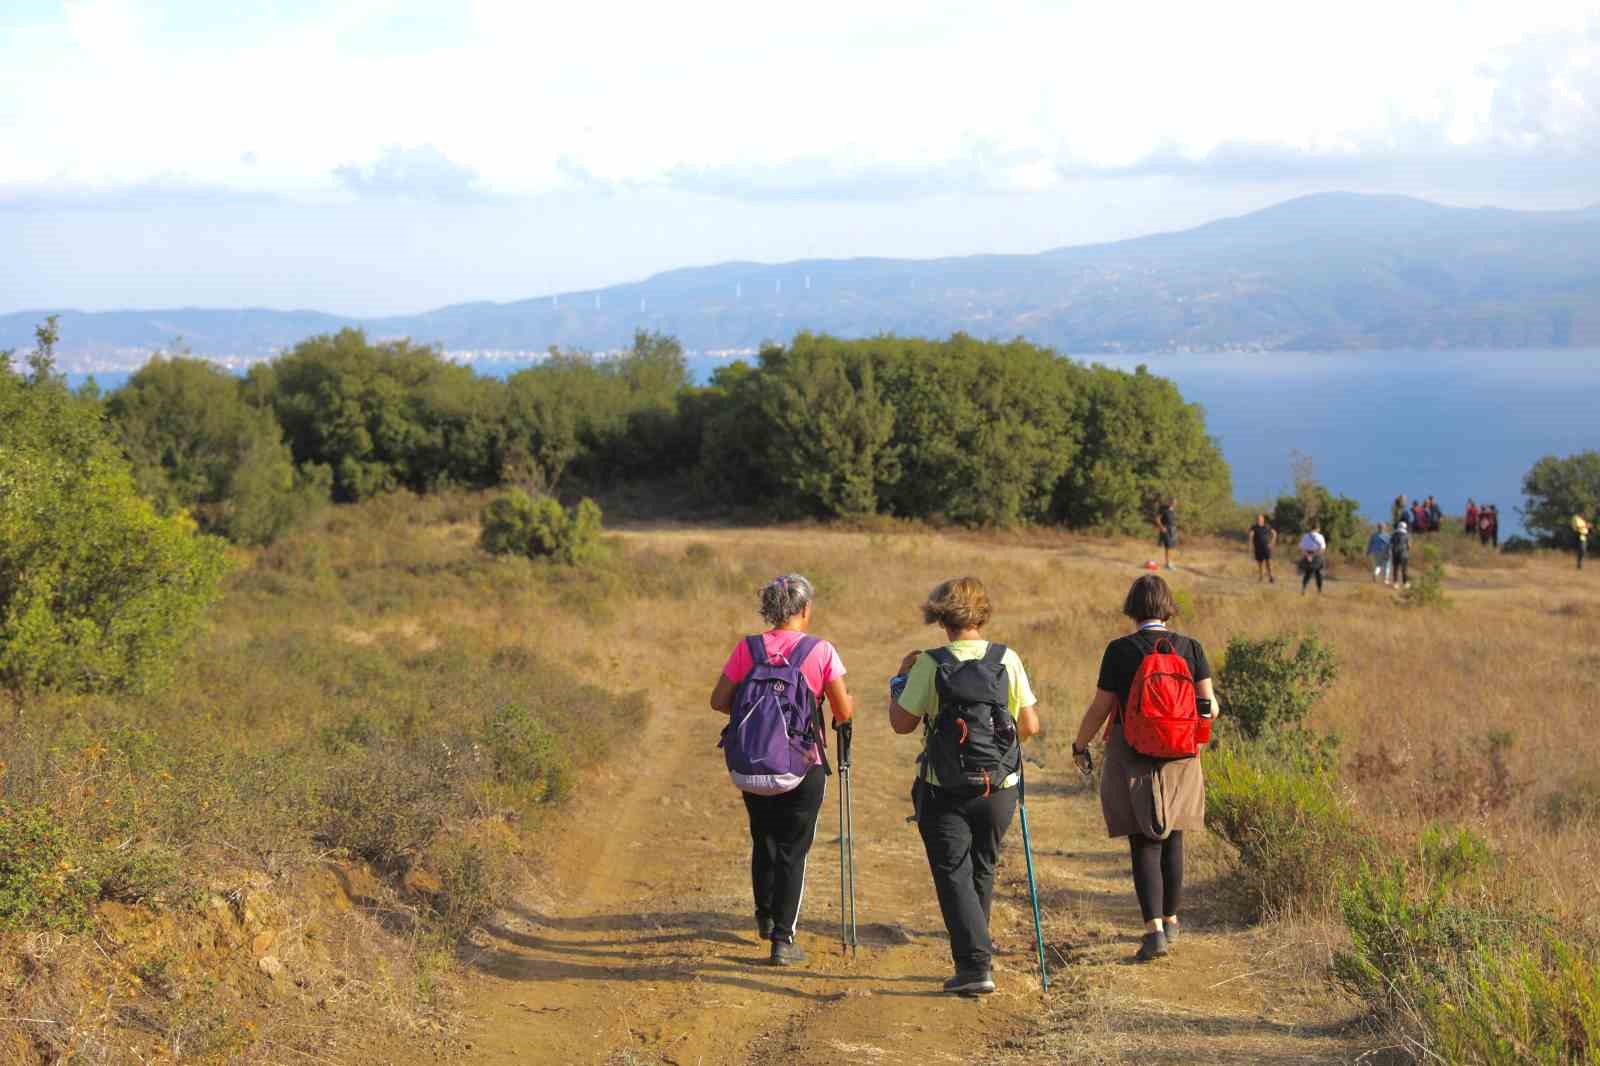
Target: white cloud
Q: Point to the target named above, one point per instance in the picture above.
(1010, 97)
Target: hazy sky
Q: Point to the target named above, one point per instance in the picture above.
(395, 155)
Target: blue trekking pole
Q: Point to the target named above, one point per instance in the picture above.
(1033, 886)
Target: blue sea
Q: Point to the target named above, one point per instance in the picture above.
(1374, 424)
(1378, 424)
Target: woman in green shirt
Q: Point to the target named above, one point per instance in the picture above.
(963, 821)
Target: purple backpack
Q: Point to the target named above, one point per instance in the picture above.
(773, 725)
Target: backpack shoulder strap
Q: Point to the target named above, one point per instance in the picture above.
(758, 650)
(995, 655)
(802, 650)
(941, 655)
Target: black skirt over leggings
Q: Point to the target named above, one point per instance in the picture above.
(781, 830)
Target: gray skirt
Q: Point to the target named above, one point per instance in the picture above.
(1152, 797)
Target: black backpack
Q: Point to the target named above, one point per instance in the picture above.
(972, 742)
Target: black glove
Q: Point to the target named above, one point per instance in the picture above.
(1083, 759)
(845, 730)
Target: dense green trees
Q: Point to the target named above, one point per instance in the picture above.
(1556, 489)
(961, 430)
(966, 430)
(97, 590)
(196, 444)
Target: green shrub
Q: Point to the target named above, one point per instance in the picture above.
(1297, 839)
(1267, 690)
(1537, 1006)
(1426, 587)
(41, 887)
(97, 591)
(137, 871)
(389, 806)
(527, 759)
(519, 524)
(1409, 939)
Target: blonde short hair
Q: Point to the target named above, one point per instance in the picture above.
(960, 603)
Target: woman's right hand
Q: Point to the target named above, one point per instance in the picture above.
(908, 662)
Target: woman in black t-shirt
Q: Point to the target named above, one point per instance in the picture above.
(1148, 800)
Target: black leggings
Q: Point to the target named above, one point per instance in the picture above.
(781, 830)
(1401, 569)
(1157, 873)
(1305, 578)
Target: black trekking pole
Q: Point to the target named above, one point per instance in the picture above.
(1033, 886)
(847, 851)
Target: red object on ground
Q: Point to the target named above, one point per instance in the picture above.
(1151, 564)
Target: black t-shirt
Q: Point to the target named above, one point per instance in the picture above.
(1169, 520)
(1123, 656)
(1261, 537)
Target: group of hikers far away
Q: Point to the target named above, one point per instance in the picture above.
(975, 707)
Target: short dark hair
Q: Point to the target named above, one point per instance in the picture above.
(1149, 598)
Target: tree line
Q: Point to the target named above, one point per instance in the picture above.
(960, 430)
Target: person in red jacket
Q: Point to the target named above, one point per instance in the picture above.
(1472, 516)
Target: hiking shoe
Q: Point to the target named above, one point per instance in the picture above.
(786, 953)
(1153, 946)
(763, 927)
(977, 981)
(1171, 932)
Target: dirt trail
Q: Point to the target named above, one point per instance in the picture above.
(637, 946)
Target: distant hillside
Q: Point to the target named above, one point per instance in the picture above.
(1331, 271)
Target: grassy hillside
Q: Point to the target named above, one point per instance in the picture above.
(280, 854)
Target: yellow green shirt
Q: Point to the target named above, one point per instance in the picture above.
(921, 697)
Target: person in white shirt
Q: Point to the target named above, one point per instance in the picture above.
(1313, 557)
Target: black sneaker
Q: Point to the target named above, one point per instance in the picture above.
(1171, 932)
(976, 981)
(1153, 946)
(785, 953)
(763, 927)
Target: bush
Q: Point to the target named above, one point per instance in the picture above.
(1268, 690)
(519, 524)
(41, 887)
(1297, 838)
(97, 591)
(1537, 1005)
(527, 760)
(1426, 588)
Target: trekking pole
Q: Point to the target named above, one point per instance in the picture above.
(847, 850)
(1033, 886)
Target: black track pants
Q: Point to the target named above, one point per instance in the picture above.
(962, 838)
(1157, 873)
(781, 830)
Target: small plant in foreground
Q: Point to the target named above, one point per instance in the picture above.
(1267, 690)
(40, 885)
(1426, 589)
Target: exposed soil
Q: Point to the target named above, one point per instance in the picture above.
(636, 943)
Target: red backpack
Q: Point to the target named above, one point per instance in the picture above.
(1161, 718)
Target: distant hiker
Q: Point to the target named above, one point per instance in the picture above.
(1152, 790)
(774, 748)
(1167, 530)
(1313, 557)
(1400, 555)
(1378, 552)
(1580, 532)
(1262, 540)
(1485, 520)
(1399, 512)
(1472, 517)
(975, 706)
(1494, 527)
(1419, 518)
(1435, 515)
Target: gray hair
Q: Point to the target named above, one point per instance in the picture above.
(784, 597)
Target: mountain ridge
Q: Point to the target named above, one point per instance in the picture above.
(1331, 270)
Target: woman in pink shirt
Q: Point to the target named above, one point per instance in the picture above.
(782, 825)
